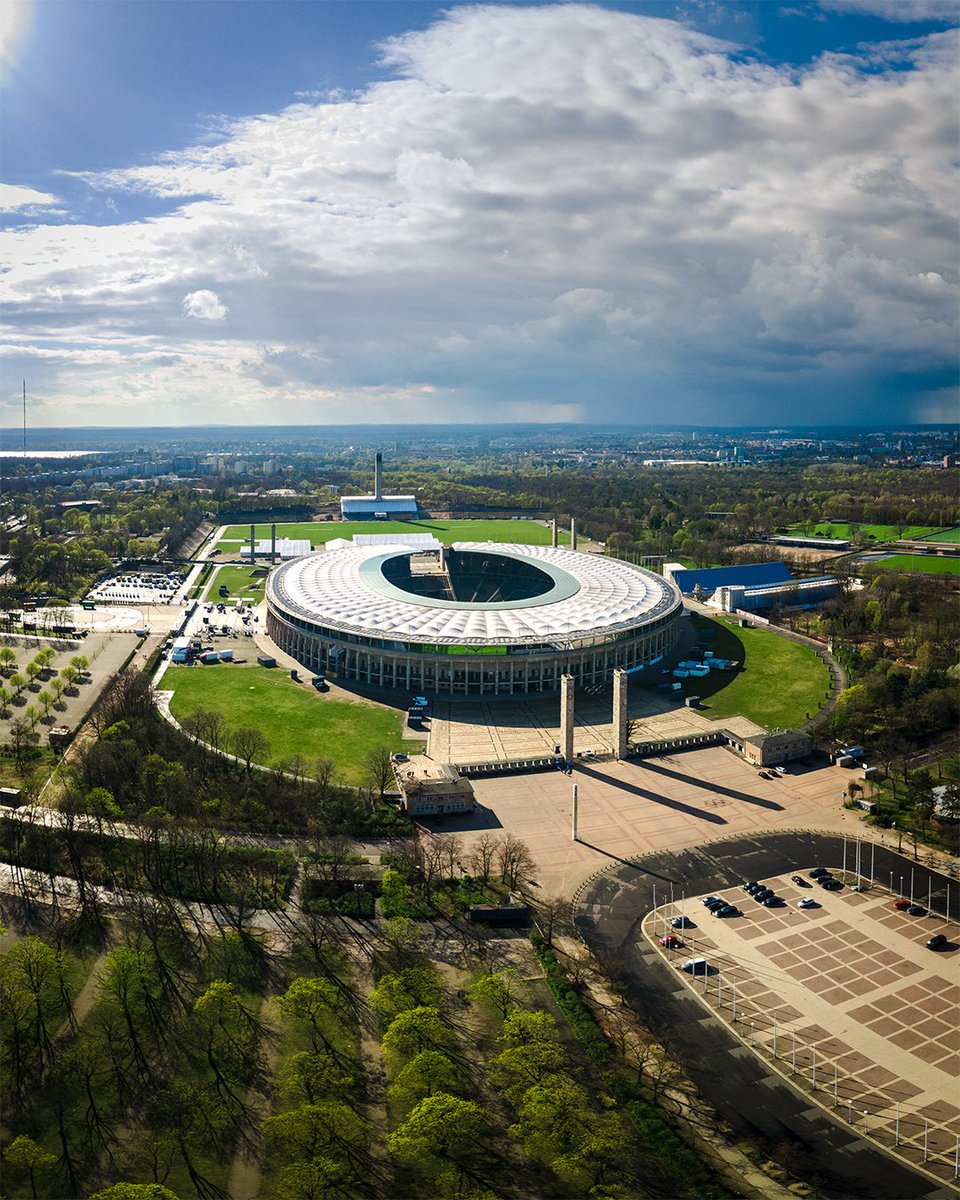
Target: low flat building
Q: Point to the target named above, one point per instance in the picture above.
(378, 508)
(771, 749)
(431, 789)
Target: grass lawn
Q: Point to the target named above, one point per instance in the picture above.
(779, 683)
(922, 564)
(944, 535)
(239, 581)
(870, 533)
(529, 533)
(293, 717)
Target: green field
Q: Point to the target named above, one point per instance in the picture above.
(943, 535)
(921, 564)
(869, 533)
(239, 581)
(293, 717)
(528, 533)
(779, 683)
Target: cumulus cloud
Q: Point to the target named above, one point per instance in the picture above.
(541, 210)
(204, 306)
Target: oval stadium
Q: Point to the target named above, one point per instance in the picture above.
(477, 618)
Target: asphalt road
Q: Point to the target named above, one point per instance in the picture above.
(752, 1097)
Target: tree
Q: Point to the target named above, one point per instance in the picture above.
(518, 1068)
(515, 861)
(379, 766)
(411, 987)
(4, 700)
(417, 1029)
(497, 991)
(135, 1191)
(483, 852)
(444, 1134)
(249, 744)
(8, 659)
(425, 1074)
(316, 1002)
(25, 1154)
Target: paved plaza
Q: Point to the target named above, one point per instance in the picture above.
(848, 1000)
(475, 731)
(628, 809)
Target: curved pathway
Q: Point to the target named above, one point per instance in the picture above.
(750, 1094)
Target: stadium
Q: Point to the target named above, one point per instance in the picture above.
(474, 619)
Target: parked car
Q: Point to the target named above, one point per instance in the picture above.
(831, 884)
(762, 895)
(773, 902)
(671, 941)
(917, 910)
(901, 904)
(938, 940)
(751, 886)
(807, 902)
(717, 902)
(728, 910)
(708, 900)
(799, 881)
(695, 966)
(817, 872)
(682, 922)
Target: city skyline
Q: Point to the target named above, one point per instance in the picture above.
(303, 213)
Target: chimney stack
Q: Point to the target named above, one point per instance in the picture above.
(273, 543)
(553, 533)
(253, 544)
(573, 533)
(377, 468)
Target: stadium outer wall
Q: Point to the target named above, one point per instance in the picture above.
(486, 672)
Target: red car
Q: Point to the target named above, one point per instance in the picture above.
(902, 904)
(671, 941)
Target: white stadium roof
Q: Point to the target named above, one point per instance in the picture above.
(592, 595)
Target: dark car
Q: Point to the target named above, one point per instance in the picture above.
(773, 902)
(917, 910)
(728, 910)
(832, 885)
(799, 880)
(762, 895)
(751, 886)
(938, 940)
(682, 922)
(716, 904)
(817, 872)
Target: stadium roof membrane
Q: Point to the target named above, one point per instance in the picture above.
(585, 595)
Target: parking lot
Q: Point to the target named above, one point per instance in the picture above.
(848, 1000)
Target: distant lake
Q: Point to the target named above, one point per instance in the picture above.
(34, 454)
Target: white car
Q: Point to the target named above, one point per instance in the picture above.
(807, 902)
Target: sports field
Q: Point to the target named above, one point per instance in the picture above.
(920, 564)
(779, 683)
(293, 717)
(869, 533)
(239, 582)
(527, 533)
(943, 535)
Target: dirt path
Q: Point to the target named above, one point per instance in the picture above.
(86, 997)
(246, 1171)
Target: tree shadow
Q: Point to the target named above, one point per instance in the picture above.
(709, 787)
(665, 801)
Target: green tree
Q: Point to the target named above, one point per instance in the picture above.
(425, 1074)
(319, 1004)
(409, 988)
(135, 1191)
(417, 1029)
(497, 991)
(24, 1154)
(443, 1136)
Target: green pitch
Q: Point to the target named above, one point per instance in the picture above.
(527, 533)
(920, 564)
(870, 533)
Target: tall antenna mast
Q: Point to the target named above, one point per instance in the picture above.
(24, 418)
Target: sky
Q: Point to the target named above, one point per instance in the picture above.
(361, 212)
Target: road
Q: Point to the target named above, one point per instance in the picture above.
(748, 1093)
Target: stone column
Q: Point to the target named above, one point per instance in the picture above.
(273, 543)
(573, 533)
(620, 718)
(553, 533)
(253, 544)
(566, 717)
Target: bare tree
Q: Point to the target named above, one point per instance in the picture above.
(515, 861)
(380, 768)
(249, 744)
(483, 852)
